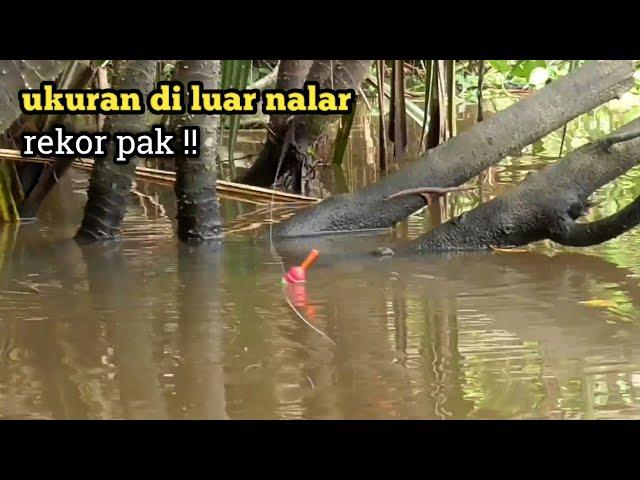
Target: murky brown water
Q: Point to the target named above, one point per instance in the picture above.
(146, 328)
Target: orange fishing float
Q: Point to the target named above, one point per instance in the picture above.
(298, 274)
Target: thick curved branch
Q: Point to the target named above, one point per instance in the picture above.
(593, 233)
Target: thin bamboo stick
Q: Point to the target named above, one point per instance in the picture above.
(231, 190)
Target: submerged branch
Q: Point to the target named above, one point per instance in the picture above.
(593, 233)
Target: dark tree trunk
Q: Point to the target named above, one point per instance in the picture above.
(467, 154)
(300, 132)
(195, 187)
(291, 74)
(110, 183)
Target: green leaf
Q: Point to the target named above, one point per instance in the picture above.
(524, 68)
(501, 66)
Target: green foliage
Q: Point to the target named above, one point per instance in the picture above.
(505, 75)
(501, 66)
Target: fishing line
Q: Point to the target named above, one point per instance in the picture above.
(288, 141)
(285, 147)
(297, 312)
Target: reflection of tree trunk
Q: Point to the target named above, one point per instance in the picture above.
(110, 183)
(195, 186)
(129, 328)
(200, 379)
(317, 376)
(554, 288)
(251, 383)
(56, 360)
(400, 321)
(318, 379)
(372, 380)
(64, 352)
(441, 361)
(445, 364)
(25, 391)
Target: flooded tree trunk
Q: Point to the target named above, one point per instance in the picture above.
(468, 154)
(195, 187)
(298, 133)
(110, 183)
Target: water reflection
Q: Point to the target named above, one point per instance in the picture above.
(129, 330)
(127, 317)
(199, 378)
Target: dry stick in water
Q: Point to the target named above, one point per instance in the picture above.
(432, 196)
(429, 190)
